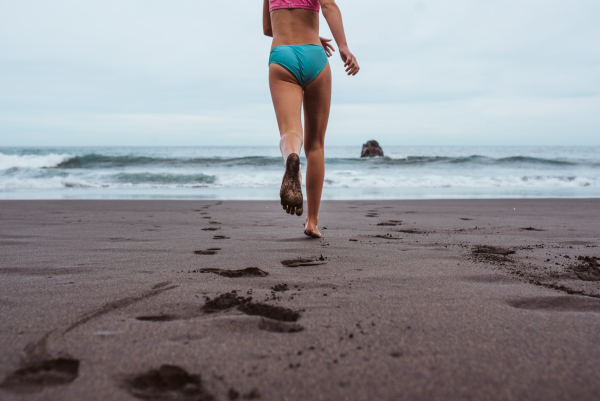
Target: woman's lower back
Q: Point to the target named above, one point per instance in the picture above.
(295, 27)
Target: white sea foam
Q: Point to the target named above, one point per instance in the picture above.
(332, 180)
(353, 180)
(426, 171)
(46, 183)
(31, 161)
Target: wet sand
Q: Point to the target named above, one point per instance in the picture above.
(401, 300)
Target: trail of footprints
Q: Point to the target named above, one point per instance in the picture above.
(175, 383)
(585, 268)
(283, 320)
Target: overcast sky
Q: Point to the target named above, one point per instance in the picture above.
(194, 72)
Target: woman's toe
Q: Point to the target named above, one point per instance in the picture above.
(299, 211)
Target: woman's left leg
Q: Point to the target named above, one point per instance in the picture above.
(317, 102)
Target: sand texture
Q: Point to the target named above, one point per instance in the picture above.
(207, 300)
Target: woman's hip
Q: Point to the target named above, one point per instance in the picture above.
(305, 62)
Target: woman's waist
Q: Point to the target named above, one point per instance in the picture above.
(298, 40)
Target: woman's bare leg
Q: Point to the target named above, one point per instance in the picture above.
(287, 100)
(317, 102)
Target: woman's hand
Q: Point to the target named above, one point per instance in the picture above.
(327, 46)
(349, 60)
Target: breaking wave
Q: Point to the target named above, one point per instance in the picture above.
(144, 168)
(99, 161)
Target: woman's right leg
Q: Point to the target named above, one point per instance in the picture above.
(287, 100)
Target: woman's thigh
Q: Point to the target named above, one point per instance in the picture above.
(317, 102)
(287, 99)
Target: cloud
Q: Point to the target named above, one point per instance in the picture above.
(432, 72)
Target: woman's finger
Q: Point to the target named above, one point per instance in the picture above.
(353, 69)
(349, 63)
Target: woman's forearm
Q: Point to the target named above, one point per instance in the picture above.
(333, 15)
(267, 28)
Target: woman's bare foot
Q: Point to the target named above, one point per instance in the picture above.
(311, 230)
(291, 186)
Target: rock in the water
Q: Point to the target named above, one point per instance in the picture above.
(371, 149)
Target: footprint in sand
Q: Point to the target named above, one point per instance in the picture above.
(588, 268)
(386, 236)
(247, 272)
(491, 250)
(272, 312)
(411, 231)
(168, 382)
(231, 300)
(279, 327)
(390, 223)
(36, 377)
(492, 279)
(209, 251)
(157, 318)
(224, 302)
(315, 261)
(280, 287)
(558, 304)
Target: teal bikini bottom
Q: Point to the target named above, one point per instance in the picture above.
(305, 62)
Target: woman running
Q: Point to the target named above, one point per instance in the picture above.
(299, 73)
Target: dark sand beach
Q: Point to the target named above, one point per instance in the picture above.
(208, 300)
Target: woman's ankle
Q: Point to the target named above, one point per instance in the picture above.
(312, 222)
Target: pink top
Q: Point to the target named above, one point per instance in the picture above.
(312, 5)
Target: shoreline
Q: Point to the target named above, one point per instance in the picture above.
(272, 194)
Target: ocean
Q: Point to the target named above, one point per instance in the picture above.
(254, 173)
